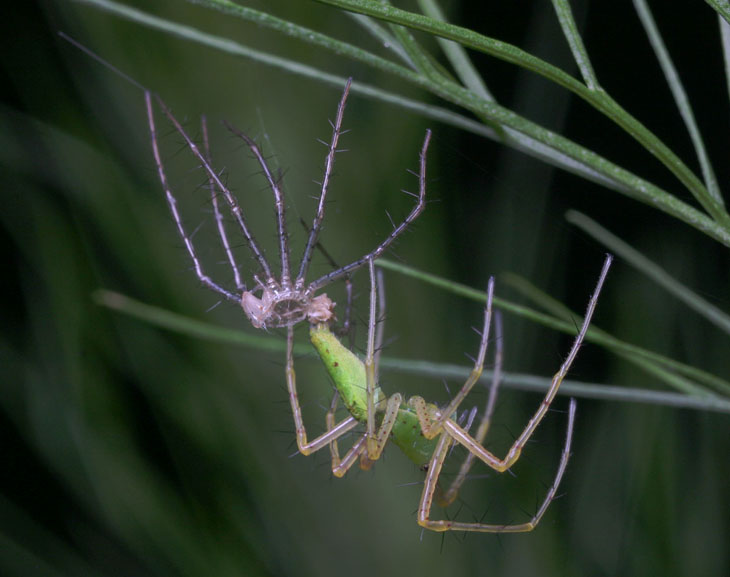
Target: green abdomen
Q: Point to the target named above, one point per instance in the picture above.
(348, 374)
(346, 370)
(408, 436)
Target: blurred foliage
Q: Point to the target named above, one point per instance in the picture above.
(131, 450)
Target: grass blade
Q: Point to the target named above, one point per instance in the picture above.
(580, 54)
(457, 56)
(168, 320)
(725, 34)
(680, 97)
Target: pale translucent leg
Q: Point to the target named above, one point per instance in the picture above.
(328, 166)
(372, 442)
(431, 424)
(335, 432)
(340, 467)
(449, 495)
(380, 330)
(172, 203)
(515, 450)
(279, 203)
(434, 470)
(234, 207)
(395, 233)
(217, 212)
(454, 433)
(359, 448)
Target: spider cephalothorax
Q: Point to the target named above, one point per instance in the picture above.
(287, 300)
(279, 307)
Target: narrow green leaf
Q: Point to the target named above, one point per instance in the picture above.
(568, 388)
(580, 54)
(680, 97)
(725, 35)
(457, 56)
(722, 7)
(385, 38)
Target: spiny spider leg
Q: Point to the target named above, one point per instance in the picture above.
(280, 304)
(333, 432)
(380, 331)
(430, 426)
(514, 452)
(370, 374)
(217, 211)
(328, 166)
(273, 302)
(172, 202)
(434, 471)
(397, 231)
(359, 448)
(451, 432)
(279, 203)
(346, 327)
(230, 199)
(447, 497)
(389, 408)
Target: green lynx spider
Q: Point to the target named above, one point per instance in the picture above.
(422, 430)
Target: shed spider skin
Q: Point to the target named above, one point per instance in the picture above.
(273, 302)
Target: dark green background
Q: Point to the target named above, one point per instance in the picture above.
(128, 450)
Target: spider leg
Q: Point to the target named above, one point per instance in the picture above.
(376, 443)
(397, 231)
(217, 212)
(232, 202)
(386, 426)
(333, 432)
(340, 467)
(172, 203)
(370, 366)
(379, 335)
(432, 427)
(501, 465)
(360, 449)
(447, 497)
(347, 327)
(278, 200)
(392, 406)
(434, 470)
(328, 166)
